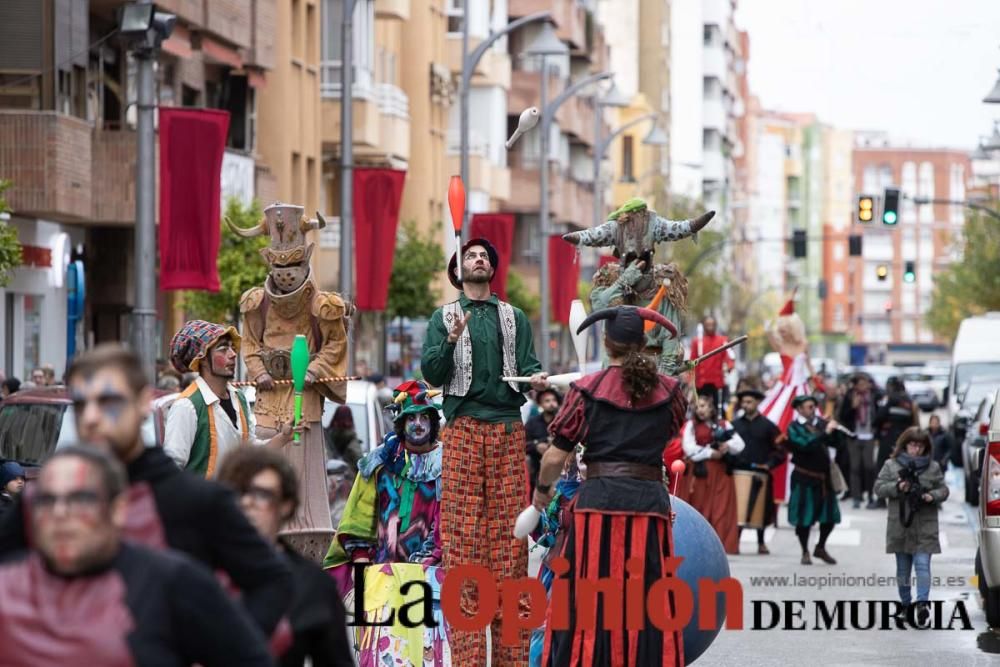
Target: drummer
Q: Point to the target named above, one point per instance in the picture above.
(762, 453)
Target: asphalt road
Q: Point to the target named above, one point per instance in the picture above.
(858, 544)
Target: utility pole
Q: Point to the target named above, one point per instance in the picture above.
(347, 171)
(145, 29)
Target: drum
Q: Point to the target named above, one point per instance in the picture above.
(395, 644)
(751, 498)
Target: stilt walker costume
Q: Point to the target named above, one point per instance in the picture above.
(622, 509)
(392, 520)
(289, 303)
(787, 335)
(633, 231)
(470, 345)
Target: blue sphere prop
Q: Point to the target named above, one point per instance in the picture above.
(704, 557)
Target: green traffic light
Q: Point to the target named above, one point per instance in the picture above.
(909, 277)
(889, 217)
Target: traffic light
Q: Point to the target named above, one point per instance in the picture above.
(821, 289)
(910, 272)
(799, 241)
(866, 208)
(854, 245)
(890, 206)
(882, 271)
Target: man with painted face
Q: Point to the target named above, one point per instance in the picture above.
(287, 304)
(471, 344)
(167, 507)
(211, 417)
(393, 514)
(83, 595)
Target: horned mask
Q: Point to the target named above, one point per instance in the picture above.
(288, 255)
(634, 230)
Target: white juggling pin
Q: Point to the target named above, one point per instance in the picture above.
(529, 119)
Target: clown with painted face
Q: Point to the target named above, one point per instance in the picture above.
(211, 417)
(391, 520)
(392, 513)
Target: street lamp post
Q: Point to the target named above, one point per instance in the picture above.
(613, 98)
(145, 28)
(548, 114)
(656, 137)
(347, 166)
(469, 62)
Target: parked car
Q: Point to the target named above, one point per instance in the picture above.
(988, 554)
(920, 388)
(976, 439)
(975, 354)
(370, 422)
(967, 399)
(36, 422)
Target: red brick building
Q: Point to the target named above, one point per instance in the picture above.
(890, 311)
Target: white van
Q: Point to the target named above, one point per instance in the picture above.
(976, 353)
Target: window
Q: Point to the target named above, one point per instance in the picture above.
(28, 432)
(627, 173)
(838, 283)
(925, 188)
(363, 41)
(838, 251)
(870, 180)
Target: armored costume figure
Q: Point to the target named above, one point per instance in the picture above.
(289, 303)
(633, 231)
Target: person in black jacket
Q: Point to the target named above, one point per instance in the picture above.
(269, 493)
(536, 430)
(857, 413)
(168, 507)
(762, 452)
(896, 413)
(83, 596)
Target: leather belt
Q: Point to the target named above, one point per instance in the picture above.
(624, 469)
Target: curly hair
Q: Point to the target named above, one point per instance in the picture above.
(399, 426)
(240, 466)
(638, 369)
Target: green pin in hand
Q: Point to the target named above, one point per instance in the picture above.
(300, 364)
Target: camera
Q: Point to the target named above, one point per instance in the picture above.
(913, 499)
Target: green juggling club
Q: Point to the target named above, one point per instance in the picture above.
(300, 363)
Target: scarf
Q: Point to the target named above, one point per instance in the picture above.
(918, 463)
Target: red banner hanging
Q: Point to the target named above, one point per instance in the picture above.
(377, 196)
(192, 142)
(498, 229)
(564, 277)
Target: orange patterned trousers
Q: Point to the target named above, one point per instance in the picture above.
(483, 491)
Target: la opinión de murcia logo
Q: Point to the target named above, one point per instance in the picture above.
(637, 605)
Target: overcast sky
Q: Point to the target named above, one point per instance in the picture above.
(916, 68)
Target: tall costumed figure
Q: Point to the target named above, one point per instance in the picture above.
(287, 305)
(787, 335)
(635, 280)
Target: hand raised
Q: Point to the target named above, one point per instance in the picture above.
(457, 330)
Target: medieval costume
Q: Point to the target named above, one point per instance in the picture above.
(289, 303)
(813, 499)
(787, 335)
(483, 471)
(709, 477)
(393, 517)
(141, 607)
(622, 509)
(633, 231)
(202, 427)
(710, 375)
(761, 453)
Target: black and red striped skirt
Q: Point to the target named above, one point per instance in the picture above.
(598, 546)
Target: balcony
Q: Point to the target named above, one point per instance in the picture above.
(715, 12)
(114, 156)
(570, 202)
(381, 118)
(392, 9)
(47, 157)
(713, 62)
(713, 115)
(713, 166)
